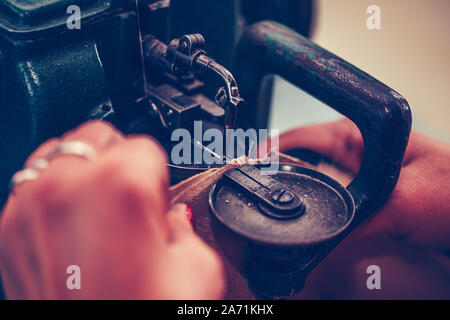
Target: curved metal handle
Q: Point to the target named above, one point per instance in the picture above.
(382, 115)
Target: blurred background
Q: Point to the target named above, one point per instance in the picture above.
(410, 54)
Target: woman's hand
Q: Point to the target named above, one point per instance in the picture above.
(409, 237)
(110, 217)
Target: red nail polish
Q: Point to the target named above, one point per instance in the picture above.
(190, 214)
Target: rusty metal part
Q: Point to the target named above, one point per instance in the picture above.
(185, 55)
(280, 259)
(281, 249)
(278, 198)
(382, 115)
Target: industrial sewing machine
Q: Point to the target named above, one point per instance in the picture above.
(152, 66)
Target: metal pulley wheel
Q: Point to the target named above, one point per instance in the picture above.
(290, 221)
(295, 207)
(284, 222)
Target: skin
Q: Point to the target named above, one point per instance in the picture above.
(77, 209)
(408, 237)
(109, 216)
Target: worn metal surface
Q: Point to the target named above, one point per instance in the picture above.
(53, 78)
(279, 258)
(296, 14)
(185, 57)
(382, 115)
(329, 208)
(217, 21)
(276, 198)
(280, 252)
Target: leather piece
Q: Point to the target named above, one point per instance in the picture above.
(195, 192)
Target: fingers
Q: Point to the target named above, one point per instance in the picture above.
(141, 161)
(199, 268)
(98, 134)
(43, 150)
(129, 181)
(180, 225)
(340, 141)
(63, 169)
(416, 213)
(423, 147)
(397, 217)
(133, 169)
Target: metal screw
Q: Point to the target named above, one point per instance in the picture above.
(282, 196)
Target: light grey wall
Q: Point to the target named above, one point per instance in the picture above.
(410, 53)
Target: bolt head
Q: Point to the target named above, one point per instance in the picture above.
(282, 196)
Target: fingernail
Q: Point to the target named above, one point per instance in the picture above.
(190, 214)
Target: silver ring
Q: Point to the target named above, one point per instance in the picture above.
(22, 176)
(31, 172)
(38, 164)
(73, 148)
